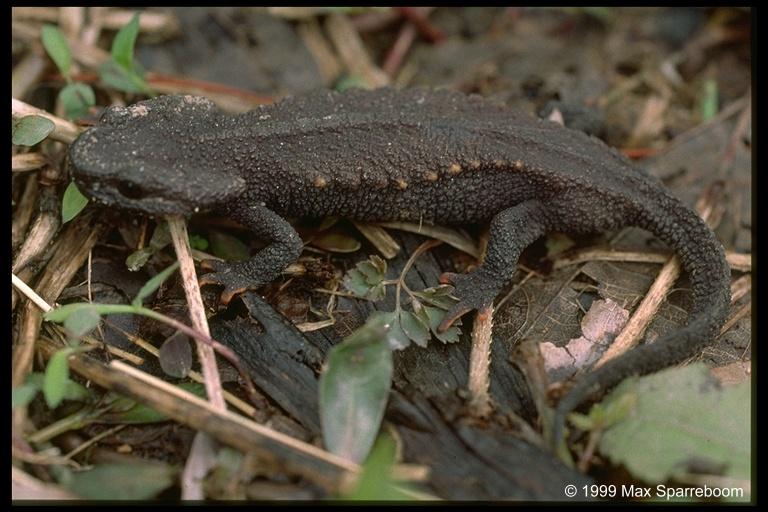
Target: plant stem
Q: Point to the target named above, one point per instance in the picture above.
(424, 247)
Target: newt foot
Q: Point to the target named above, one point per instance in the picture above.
(228, 275)
(474, 291)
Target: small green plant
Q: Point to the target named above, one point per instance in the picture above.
(427, 307)
(376, 482)
(161, 237)
(121, 72)
(56, 377)
(76, 97)
(80, 318)
(355, 384)
(56, 380)
(366, 280)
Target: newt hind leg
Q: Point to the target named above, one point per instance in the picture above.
(511, 231)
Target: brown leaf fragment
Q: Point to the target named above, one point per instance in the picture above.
(600, 325)
(733, 373)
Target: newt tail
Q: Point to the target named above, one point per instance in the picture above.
(703, 258)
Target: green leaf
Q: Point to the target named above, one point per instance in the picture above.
(415, 328)
(56, 46)
(375, 482)
(229, 458)
(585, 422)
(61, 313)
(22, 395)
(676, 418)
(438, 296)
(127, 410)
(709, 100)
(117, 77)
(228, 247)
(138, 258)
(123, 43)
(352, 82)
(56, 377)
(82, 321)
(198, 242)
(122, 72)
(378, 292)
(72, 203)
(139, 481)
(354, 389)
(396, 336)
(405, 327)
(365, 280)
(77, 98)
(619, 409)
(336, 242)
(355, 282)
(153, 284)
(433, 318)
(373, 269)
(226, 470)
(161, 237)
(30, 130)
(72, 391)
(606, 414)
(76, 392)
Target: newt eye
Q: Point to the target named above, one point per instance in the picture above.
(131, 190)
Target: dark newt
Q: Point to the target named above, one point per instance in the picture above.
(417, 155)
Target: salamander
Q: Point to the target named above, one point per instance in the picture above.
(431, 156)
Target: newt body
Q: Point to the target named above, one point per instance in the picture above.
(418, 155)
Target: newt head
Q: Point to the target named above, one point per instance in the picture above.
(152, 157)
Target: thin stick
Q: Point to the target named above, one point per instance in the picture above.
(27, 162)
(480, 363)
(30, 293)
(200, 458)
(397, 53)
(178, 230)
(737, 261)
(741, 313)
(95, 439)
(352, 51)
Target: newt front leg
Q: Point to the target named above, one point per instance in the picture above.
(284, 248)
